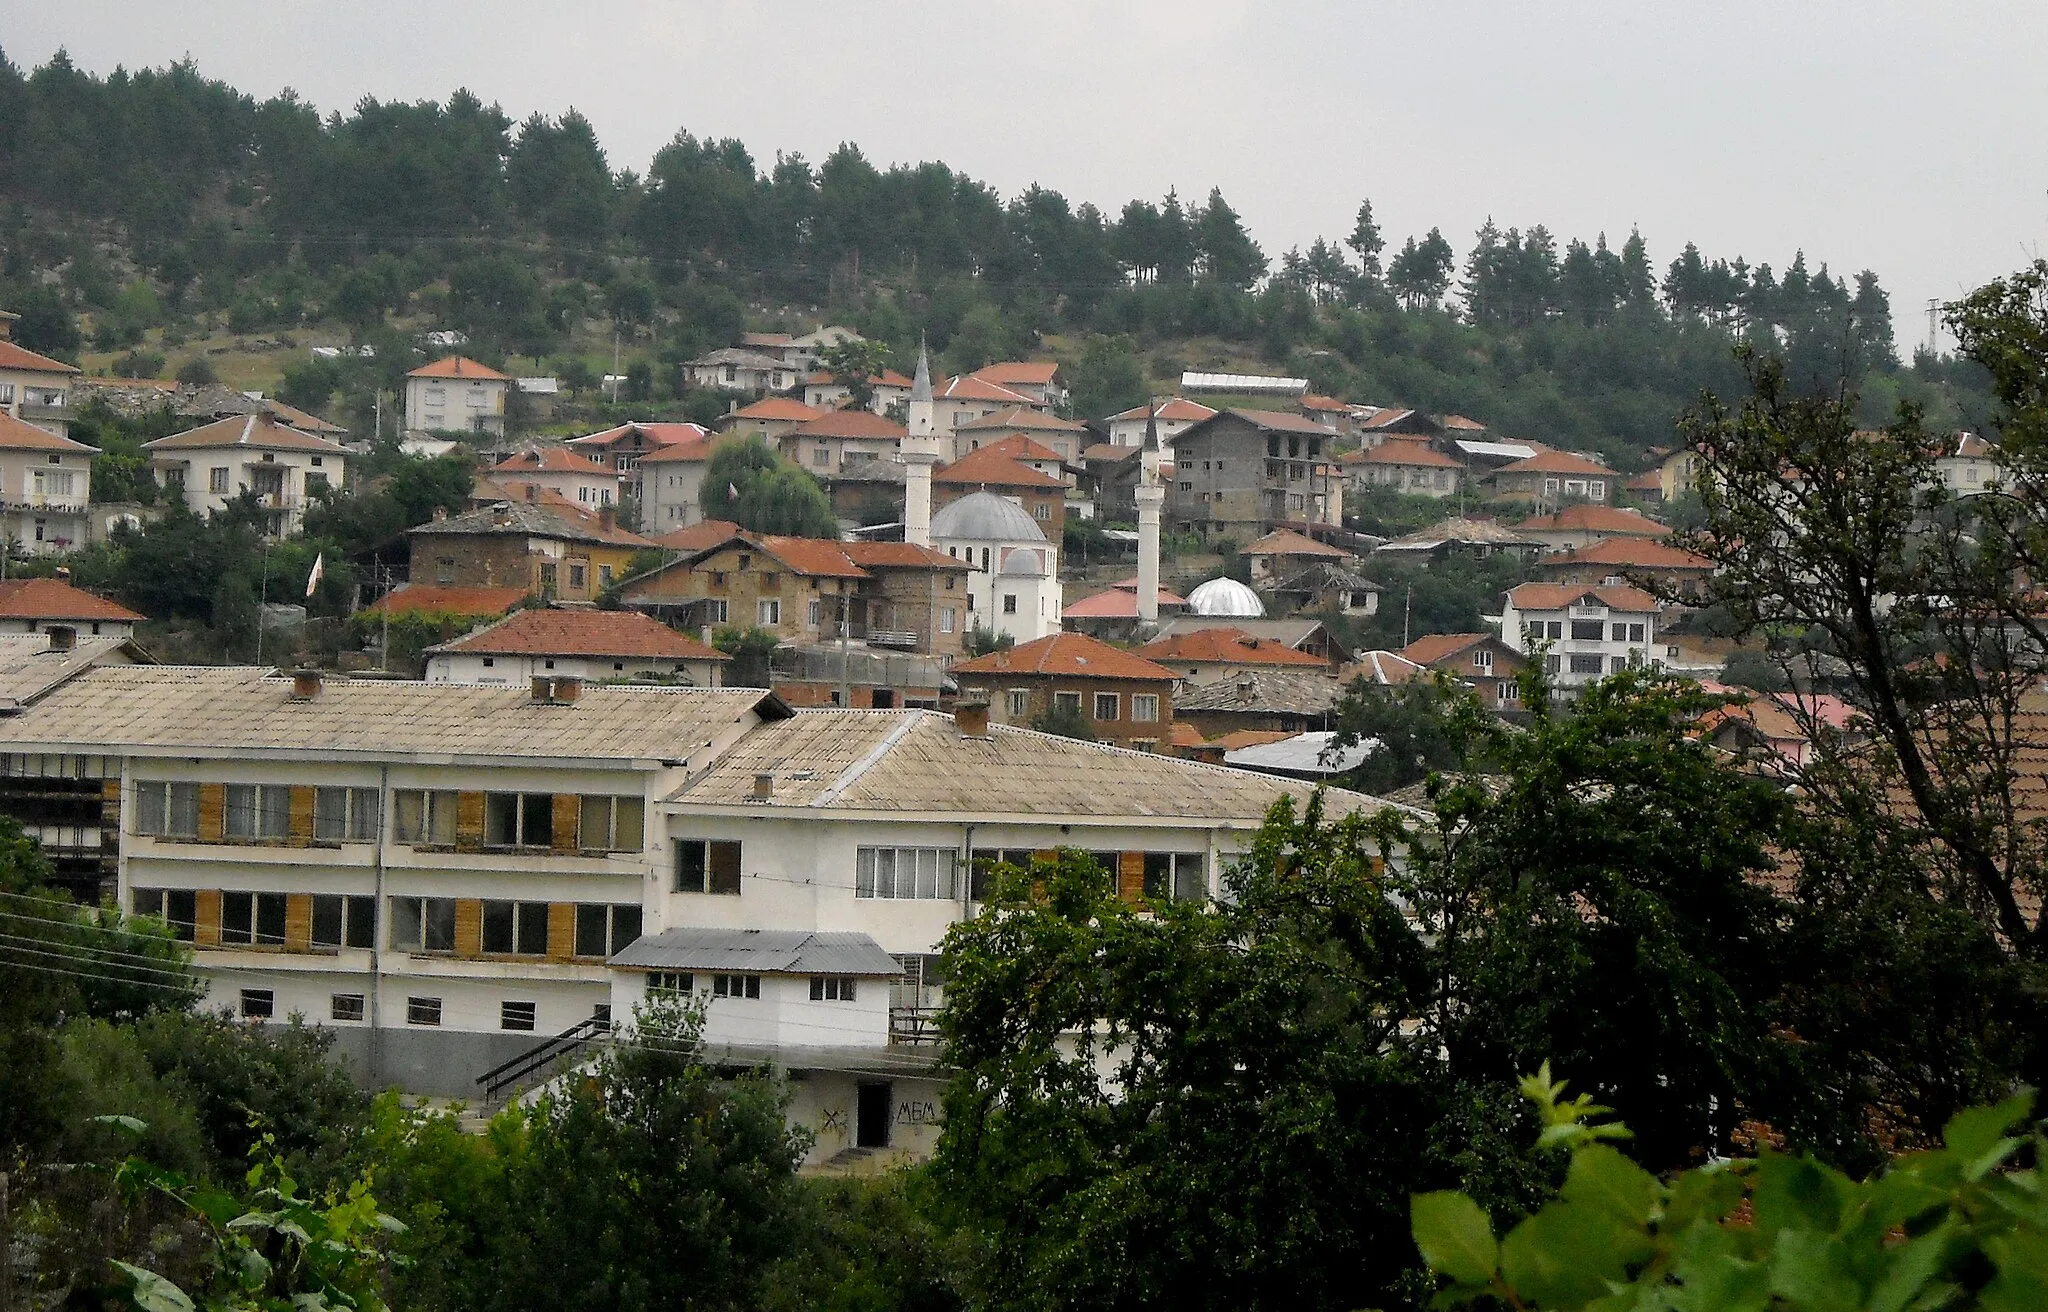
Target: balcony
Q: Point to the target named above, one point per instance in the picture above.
(38, 503)
(913, 1025)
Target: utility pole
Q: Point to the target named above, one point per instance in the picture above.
(1407, 605)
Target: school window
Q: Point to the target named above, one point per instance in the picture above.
(519, 928)
(1009, 603)
(1106, 705)
(670, 983)
(516, 1015)
(771, 612)
(611, 824)
(707, 866)
(167, 810)
(1635, 633)
(423, 1011)
(345, 1006)
(258, 1004)
(344, 922)
(921, 873)
(258, 811)
(423, 924)
(602, 930)
(1145, 707)
(1020, 702)
(252, 919)
(423, 817)
(831, 988)
(1586, 630)
(1621, 633)
(176, 907)
(1175, 876)
(1585, 664)
(217, 479)
(1067, 701)
(519, 819)
(1556, 628)
(345, 814)
(735, 986)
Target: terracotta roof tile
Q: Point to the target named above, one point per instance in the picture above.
(969, 388)
(1394, 452)
(1433, 647)
(20, 357)
(899, 555)
(1009, 373)
(1325, 403)
(990, 468)
(696, 537)
(1626, 552)
(1557, 462)
(777, 408)
(1020, 446)
(1557, 596)
(54, 599)
(549, 460)
(298, 418)
(459, 366)
(1119, 603)
(257, 432)
(20, 435)
(1287, 542)
(443, 599)
(691, 450)
(1608, 520)
(1024, 418)
(1225, 647)
(1070, 654)
(886, 378)
(851, 423)
(612, 633)
(666, 434)
(1184, 735)
(1174, 409)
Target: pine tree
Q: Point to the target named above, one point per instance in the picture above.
(1365, 240)
(1638, 279)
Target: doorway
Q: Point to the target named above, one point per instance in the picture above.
(871, 1117)
(885, 699)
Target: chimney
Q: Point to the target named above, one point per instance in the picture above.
(543, 688)
(764, 786)
(501, 513)
(1244, 688)
(305, 684)
(62, 637)
(568, 689)
(533, 492)
(440, 514)
(971, 718)
(607, 518)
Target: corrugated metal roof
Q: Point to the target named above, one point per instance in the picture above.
(1303, 754)
(1245, 383)
(759, 952)
(29, 666)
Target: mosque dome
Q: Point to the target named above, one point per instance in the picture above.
(1226, 597)
(986, 517)
(1024, 562)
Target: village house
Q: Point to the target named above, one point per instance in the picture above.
(543, 550)
(621, 449)
(1042, 496)
(1625, 560)
(1112, 615)
(1394, 421)
(769, 419)
(593, 645)
(1206, 655)
(1480, 661)
(1268, 698)
(1326, 586)
(1967, 465)
(672, 483)
(1585, 633)
(45, 487)
(1064, 437)
(962, 400)
(1284, 552)
(1332, 414)
(1123, 698)
(1242, 472)
(1583, 525)
(1040, 380)
(456, 394)
(40, 605)
(1677, 475)
(890, 391)
(1553, 478)
(806, 349)
(34, 388)
(447, 603)
(209, 466)
(1478, 538)
(1399, 464)
(810, 590)
(858, 675)
(1175, 415)
(826, 443)
(735, 370)
(586, 480)
(1299, 632)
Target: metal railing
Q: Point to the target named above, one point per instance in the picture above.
(913, 1025)
(503, 1076)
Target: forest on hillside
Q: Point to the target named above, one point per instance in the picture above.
(144, 210)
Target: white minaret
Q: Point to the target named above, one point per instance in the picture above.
(1149, 495)
(920, 453)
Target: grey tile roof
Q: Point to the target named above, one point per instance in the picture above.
(917, 762)
(1290, 632)
(759, 951)
(167, 709)
(30, 667)
(1299, 692)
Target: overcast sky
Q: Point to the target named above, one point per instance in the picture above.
(1907, 137)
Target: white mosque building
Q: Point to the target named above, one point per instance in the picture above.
(1013, 586)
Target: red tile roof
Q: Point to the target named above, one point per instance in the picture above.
(886, 378)
(1225, 647)
(1024, 417)
(1184, 734)
(1607, 520)
(459, 366)
(1287, 542)
(259, 432)
(1629, 553)
(1389, 669)
(1009, 373)
(1385, 416)
(1557, 462)
(813, 557)
(696, 537)
(777, 408)
(1175, 409)
(1241, 738)
(549, 460)
(1018, 446)
(1072, 655)
(690, 450)
(1462, 423)
(969, 388)
(1326, 403)
(851, 423)
(54, 599)
(1648, 481)
(1119, 603)
(658, 434)
(1281, 422)
(1394, 452)
(612, 633)
(442, 599)
(991, 468)
(899, 555)
(20, 357)
(298, 418)
(20, 435)
(1431, 648)
(765, 339)
(1557, 596)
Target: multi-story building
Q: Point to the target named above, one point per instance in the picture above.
(960, 401)
(593, 645)
(825, 445)
(45, 487)
(589, 481)
(1243, 472)
(1171, 417)
(1041, 380)
(1123, 697)
(672, 483)
(889, 389)
(1583, 525)
(1013, 584)
(215, 463)
(768, 418)
(1042, 496)
(1065, 438)
(456, 394)
(1480, 661)
(622, 448)
(1583, 632)
(735, 370)
(540, 549)
(444, 876)
(1208, 655)
(34, 388)
(1410, 466)
(1553, 478)
(1622, 560)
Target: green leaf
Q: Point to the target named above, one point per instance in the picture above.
(152, 1292)
(1975, 1131)
(1602, 1178)
(1794, 1193)
(1912, 1265)
(131, 1124)
(1706, 1194)
(1811, 1271)
(1455, 1236)
(1566, 1254)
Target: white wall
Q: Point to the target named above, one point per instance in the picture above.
(670, 494)
(464, 404)
(462, 667)
(240, 464)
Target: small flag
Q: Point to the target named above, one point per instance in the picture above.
(319, 568)
(733, 490)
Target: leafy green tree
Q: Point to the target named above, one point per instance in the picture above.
(197, 372)
(1107, 378)
(760, 491)
(1068, 721)
(1411, 725)
(751, 650)
(984, 641)
(310, 384)
(855, 364)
